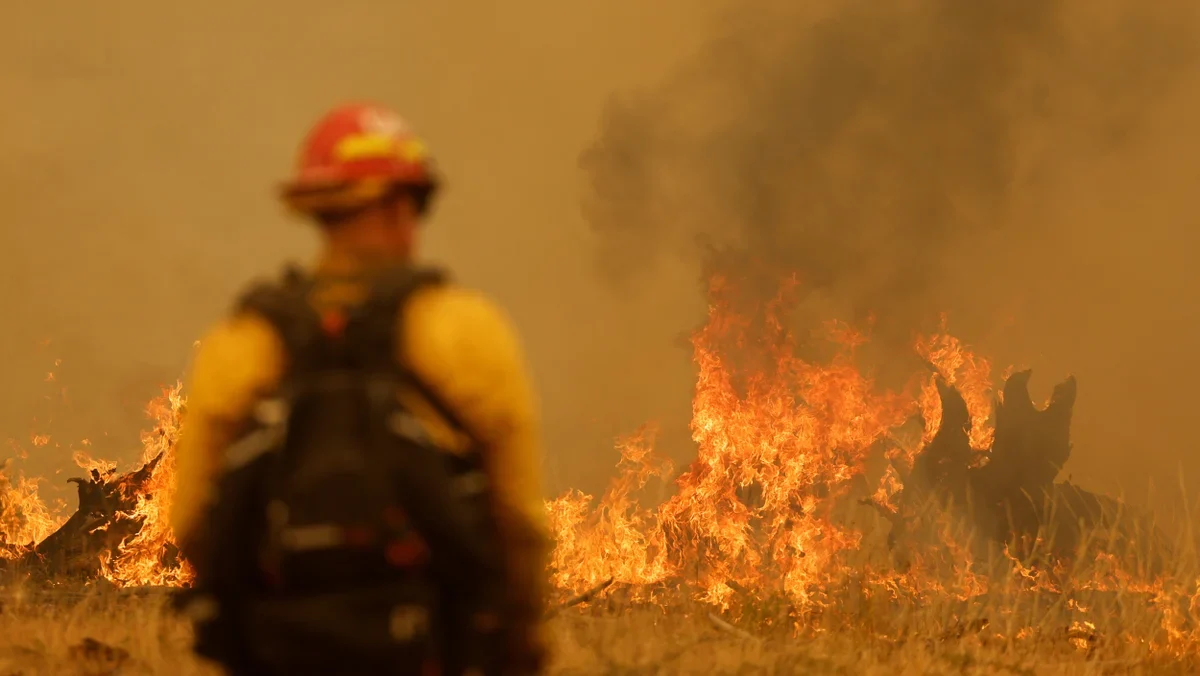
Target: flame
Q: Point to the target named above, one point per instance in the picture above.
(140, 560)
(24, 519)
(616, 540)
(144, 558)
(781, 443)
(775, 448)
(967, 372)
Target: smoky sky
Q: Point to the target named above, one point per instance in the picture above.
(1049, 177)
(885, 151)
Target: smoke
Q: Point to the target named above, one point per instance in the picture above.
(892, 153)
(141, 142)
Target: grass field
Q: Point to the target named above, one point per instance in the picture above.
(1019, 625)
(102, 635)
(808, 575)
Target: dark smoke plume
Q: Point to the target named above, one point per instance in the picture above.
(879, 148)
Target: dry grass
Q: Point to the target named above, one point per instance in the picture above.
(858, 626)
(98, 634)
(651, 641)
(50, 634)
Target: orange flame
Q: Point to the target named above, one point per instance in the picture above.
(140, 560)
(24, 518)
(780, 442)
(970, 374)
(775, 448)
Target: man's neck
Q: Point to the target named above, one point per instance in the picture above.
(336, 260)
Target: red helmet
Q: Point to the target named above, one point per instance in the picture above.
(355, 155)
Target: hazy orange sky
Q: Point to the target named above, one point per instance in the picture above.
(1032, 172)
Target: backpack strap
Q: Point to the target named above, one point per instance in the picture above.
(285, 305)
(378, 327)
(372, 331)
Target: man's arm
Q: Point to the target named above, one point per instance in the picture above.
(465, 349)
(237, 361)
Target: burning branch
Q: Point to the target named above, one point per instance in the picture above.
(585, 597)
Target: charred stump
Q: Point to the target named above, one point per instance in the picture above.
(1010, 493)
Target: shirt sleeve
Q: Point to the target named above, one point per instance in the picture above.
(238, 361)
(466, 350)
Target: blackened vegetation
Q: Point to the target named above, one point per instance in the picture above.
(1011, 494)
(103, 522)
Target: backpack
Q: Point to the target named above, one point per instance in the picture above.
(341, 539)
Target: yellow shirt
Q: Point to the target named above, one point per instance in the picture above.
(465, 350)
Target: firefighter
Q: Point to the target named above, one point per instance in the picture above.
(366, 182)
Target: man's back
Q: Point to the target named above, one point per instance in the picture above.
(453, 339)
